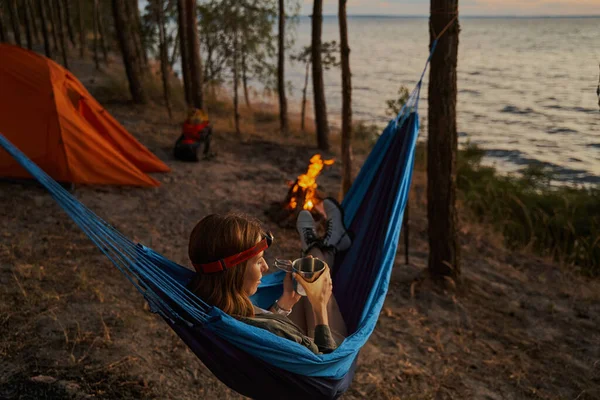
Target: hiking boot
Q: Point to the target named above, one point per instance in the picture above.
(337, 235)
(305, 224)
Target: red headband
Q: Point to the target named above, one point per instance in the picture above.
(231, 261)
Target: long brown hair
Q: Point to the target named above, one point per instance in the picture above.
(219, 236)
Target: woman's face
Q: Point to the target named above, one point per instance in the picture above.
(257, 266)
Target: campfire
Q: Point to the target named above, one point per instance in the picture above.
(302, 194)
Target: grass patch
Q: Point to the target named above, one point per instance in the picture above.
(560, 222)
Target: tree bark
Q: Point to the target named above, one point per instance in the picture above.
(442, 144)
(136, 21)
(303, 114)
(3, 32)
(135, 81)
(346, 100)
(183, 44)
(102, 33)
(245, 80)
(194, 54)
(236, 78)
(32, 18)
(283, 116)
(317, 78)
(70, 30)
(52, 19)
(44, 28)
(82, 41)
(14, 19)
(61, 32)
(164, 57)
(95, 24)
(175, 52)
(28, 28)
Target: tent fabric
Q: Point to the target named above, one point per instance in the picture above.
(48, 114)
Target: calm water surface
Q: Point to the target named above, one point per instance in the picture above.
(527, 86)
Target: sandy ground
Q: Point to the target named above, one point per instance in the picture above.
(72, 327)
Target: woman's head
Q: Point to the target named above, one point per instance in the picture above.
(217, 237)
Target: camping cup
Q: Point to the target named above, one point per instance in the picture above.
(309, 268)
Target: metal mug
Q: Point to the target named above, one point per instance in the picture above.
(309, 268)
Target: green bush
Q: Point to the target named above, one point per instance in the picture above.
(560, 222)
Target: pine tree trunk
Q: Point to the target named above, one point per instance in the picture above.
(95, 24)
(175, 52)
(317, 78)
(82, 33)
(61, 33)
(102, 34)
(53, 23)
(183, 44)
(14, 19)
(194, 54)
(283, 117)
(303, 114)
(3, 32)
(245, 80)
(236, 79)
(44, 27)
(164, 57)
(442, 144)
(128, 52)
(32, 17)
(136, 21)
(28, 28)
(346, 101)
(69, 21)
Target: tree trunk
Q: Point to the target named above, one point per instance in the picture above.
(61, 32)
(175, 52)
(28, 28)
(245, 80)
(129, 59)
(283, 117)
(32, 18)
(164, 57)
(52, 19)
(102, 33)
(346, 100)
(69, 21)
(95, 24)
(3, 32)
(14, 19)
(82, 45)
(303, 114)
(183, 44)
(44, 27)
(236, 78)
(136, 21)
(442, 144)
(194, 54)
(317, 78)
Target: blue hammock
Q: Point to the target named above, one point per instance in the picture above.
(250, 360)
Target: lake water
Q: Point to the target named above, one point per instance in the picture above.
(526, 86)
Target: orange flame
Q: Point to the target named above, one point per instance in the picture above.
(308, 182)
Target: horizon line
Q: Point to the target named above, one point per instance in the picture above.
(462, 16)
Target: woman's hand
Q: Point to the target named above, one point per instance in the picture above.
(289, 297)
(318, 294)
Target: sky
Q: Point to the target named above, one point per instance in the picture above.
(466, 7)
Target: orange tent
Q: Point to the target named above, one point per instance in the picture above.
(50, 116)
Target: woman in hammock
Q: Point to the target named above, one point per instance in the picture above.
(227, 253)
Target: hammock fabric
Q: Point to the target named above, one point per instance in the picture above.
(250, 360)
